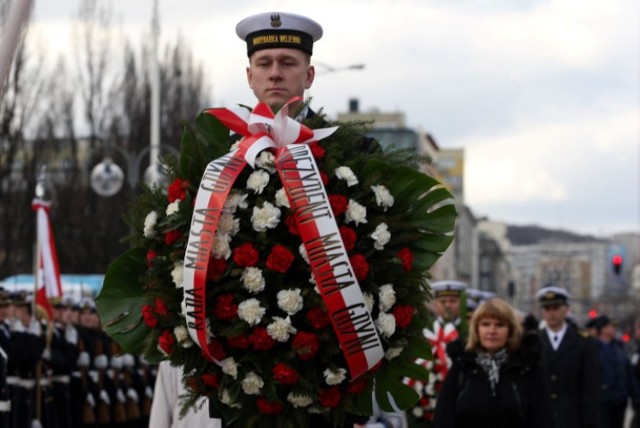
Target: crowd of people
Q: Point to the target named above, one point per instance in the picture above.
(66, 372)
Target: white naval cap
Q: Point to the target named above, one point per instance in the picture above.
(279, 30)
(448, 288)
(552, 295)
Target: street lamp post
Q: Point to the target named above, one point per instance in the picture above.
(326, 68)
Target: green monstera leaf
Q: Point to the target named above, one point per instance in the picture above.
(121, 298)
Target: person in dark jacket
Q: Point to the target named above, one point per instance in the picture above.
(570, 362)
(617, 385)
(496, 380)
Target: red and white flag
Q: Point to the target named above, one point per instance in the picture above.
(48, 283)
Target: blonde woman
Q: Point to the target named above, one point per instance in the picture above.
(496, 380)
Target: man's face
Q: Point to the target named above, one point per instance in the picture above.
(554, 315)
(277, 75)
(450, 307)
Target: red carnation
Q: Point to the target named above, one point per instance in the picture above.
(330, 397)
(339, 204)
(356, 387)
(238, 342)
(348, 237)
(269, 407)
(290, 221)
(318, 317)
(284, 374)
(178, 190)
(171, 236)
(280, 258)
(245, 255)
(260, 339)
(403, 315)
(166, 342)
(306, 345)
(406, 256)
(317, 150)
(161, 307)
(324, 178)
(225, 308)
(216, 350)
(360, 266)
(151, 256)
(212, 380)
(216, 268)
(148, 316)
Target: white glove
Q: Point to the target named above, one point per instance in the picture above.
(143, 361)
(105, 397)
(121, 397)
(46, 354)
(128, 361)
(83, 359)
(35, 328)
(101, 361)
(91, 400)
(17, 326)
(133, 395)
(71, 334)
(116, 363)
(94, 376)
(148, 392)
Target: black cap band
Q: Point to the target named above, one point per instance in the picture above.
(269, 39)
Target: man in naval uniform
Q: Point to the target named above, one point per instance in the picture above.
(570, 361)
(447, 294)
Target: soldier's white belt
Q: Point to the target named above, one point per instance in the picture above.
(5, 406)
(31, 383)
(61, 379)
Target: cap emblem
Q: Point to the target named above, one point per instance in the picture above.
(275, 20)
(549, 295)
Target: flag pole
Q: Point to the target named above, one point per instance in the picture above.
(40, 194)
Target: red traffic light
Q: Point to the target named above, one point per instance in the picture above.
(616, 261)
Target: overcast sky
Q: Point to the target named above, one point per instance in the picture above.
(543, 95)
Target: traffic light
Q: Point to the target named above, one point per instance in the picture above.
(616, 263)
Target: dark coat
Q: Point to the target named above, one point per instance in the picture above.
(520, 401)
(572, 371)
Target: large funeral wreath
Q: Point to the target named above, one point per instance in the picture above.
(271, 354)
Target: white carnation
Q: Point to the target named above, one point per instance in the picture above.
(280, 329)
(299, 400)
(393, 352)
(225, 398)
(251, 311)
(252, 384)
(253, 280)
(381, 236)
(181, 333)
(267, 161)
(384, 198)
(386, 324)
(235, 200)
(345, 173)
(228, 224)
(387, 296)
(290, 300)
(368, 300)
(230, 367)
(173, 207)
(356, 213)
(334, 377)
(177, 274)
(281, 198)
(221, 248)
(265, 218)
(149, 224)
(257, 181)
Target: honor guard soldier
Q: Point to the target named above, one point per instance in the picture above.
(570, 361)
(447, 296)
(5, 400)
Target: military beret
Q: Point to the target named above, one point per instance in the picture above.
(278, 30)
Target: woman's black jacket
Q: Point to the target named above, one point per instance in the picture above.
(521, 398)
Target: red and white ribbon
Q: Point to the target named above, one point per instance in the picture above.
(439, 337)
(301, 179)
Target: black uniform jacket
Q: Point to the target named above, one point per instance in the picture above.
(572, 371)
(521, 398)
